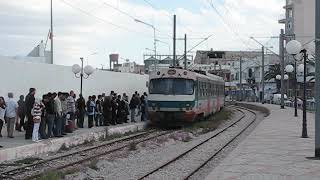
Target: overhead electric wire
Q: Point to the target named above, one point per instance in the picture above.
(126, 14)
(101, 19)
(169, 17)
(118, 9)
(227, 24)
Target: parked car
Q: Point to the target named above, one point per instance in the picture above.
(277, 98)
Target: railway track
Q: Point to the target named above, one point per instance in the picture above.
(39, 168)
(195, 147)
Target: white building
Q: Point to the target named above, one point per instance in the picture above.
(37, 55)
(129, 67)
(299, 20)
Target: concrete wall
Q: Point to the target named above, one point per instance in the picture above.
(304, 20)
(18, 77)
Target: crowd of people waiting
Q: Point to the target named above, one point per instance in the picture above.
(59, 113)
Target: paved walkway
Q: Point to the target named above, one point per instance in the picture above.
(19, 139)
(274, 150)
(18, 147)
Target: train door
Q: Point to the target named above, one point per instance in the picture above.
(197, 93)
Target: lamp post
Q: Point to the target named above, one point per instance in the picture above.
(154, 38)
(286, 78)
(290, 69)
(278, 77)
(294, 47)
(80, 72)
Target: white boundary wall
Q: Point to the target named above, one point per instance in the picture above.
(18, 77)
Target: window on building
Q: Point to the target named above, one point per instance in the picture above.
(289, 25)
(290, 13)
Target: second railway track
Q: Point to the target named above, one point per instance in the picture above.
(183, 161)
(37, 169)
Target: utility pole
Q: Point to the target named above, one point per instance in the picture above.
(185, 51)
(174, 41)
(317, 117)
(281, 49)
(240, 76)
(262, 76)
(155, 49)
(51, 35)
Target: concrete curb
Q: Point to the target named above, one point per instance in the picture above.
(54, 145)
(255, 107)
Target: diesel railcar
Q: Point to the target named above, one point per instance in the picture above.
(178, 95)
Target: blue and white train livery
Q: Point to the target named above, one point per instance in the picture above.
(178, 95)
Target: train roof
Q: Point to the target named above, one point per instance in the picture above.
(197, 73)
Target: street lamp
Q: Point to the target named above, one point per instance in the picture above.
(154, 37)
(294, 47)
(165, 43)
(290, 69)
(79, 72)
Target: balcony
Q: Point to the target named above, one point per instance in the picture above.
(282, 19)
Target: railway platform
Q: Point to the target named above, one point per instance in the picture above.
(18, 147)
(274, 150)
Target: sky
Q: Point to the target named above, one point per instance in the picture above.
(93, 29)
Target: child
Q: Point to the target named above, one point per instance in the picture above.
(36, 112)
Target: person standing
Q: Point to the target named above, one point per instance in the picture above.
(107, 110)
(95, 116)
(37, 114)
(29, 105)
(118, 102)
(50, 114)
(133, 107)
(64, 107)
(21, 114)
(2, 113)
(146, 105)
(11, 114)
(90, 111)
(99, 111)
(143, 108)
(43, 122)
(114, 107)
(81, 109)
(71, 108)
(58, 116)
(122, 110)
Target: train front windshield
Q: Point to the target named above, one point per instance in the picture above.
(171, 86)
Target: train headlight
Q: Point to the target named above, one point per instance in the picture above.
(188, 107)
(153, 105)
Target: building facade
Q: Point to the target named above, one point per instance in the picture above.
(227, 65)
(164, 61)
(37, 55)
(129, 67)
(299, 21)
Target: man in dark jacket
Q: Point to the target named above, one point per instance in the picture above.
(50, 113)
(133, 107)
(114, 106)
(29, 105)
(81, 110)
(107, 110)
(119, 120)
(21, 114)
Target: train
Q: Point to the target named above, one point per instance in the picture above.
(178, 96)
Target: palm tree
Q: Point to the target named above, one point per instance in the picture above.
(273, 72)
